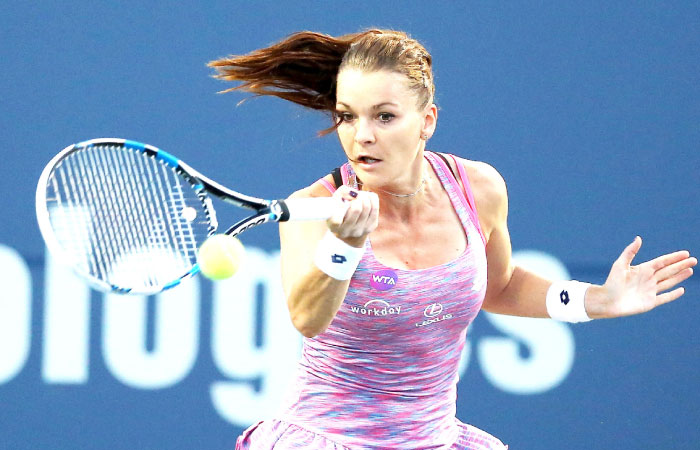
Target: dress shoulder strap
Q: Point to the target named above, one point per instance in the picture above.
(465, 195)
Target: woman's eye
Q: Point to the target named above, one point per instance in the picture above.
(345, 116)
(385, 117)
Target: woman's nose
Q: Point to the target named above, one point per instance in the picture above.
(364, 134)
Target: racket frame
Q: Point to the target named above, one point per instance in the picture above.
(265, 210)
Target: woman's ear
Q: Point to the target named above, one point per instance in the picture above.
(429, 121)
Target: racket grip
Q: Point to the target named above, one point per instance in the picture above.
(318, 208)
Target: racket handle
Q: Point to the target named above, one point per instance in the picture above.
(317, 208)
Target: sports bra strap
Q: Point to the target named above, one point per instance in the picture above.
(447, 163)
(337, 177)
(337, 180)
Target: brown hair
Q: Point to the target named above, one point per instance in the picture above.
(303, 68)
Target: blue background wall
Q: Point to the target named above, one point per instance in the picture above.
(591, 112)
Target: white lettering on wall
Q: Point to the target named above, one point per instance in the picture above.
(550, 345)
(15, 313)
(66, 325)
(550, 354)
(255, 351)
(176, 341)
(234, 351)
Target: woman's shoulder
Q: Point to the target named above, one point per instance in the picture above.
(483, 178)
(488, 188)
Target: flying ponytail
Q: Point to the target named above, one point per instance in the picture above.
(303, 68)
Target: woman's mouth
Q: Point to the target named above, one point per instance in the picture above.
(367, 160)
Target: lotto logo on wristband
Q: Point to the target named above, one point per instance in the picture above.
(566, 300)
(338, 259)
(564, 297)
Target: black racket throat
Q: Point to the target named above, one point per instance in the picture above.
(276, 211)
(267, 210)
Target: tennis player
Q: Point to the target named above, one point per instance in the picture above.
(384, 295)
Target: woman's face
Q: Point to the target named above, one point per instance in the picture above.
(381, 126)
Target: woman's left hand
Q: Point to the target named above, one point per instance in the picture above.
(635, 289)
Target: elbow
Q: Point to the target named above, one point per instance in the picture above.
(307, 327)
(308, 332)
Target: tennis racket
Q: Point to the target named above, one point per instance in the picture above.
(129, 217)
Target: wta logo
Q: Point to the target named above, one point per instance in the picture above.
(383, 280)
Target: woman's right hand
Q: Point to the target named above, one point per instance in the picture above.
(356, 216)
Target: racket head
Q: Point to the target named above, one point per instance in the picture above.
(123, 215)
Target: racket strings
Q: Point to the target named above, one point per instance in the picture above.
(181, 228)
(154, 230)
(121, 198)
(122, 215)
(127, 201)
(168, 225)
(166, 233)
(93, 187)
(84, 187)
(70, 215)
(149, 222)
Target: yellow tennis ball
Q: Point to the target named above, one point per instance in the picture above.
(220, 256)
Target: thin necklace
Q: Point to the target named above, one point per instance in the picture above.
(422, 183)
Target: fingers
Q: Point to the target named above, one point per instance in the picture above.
(358, 215)
(662, 262)
(670, 282)
(671, 270)
(630, 251)
(676, 272)
(343, 195)
(669, 296)
(668, 265)
(339, 213)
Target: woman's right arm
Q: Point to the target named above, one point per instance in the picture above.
(313, 297)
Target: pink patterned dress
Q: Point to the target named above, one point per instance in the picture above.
(384, 373)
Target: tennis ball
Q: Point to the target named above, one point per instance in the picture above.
(220, 256)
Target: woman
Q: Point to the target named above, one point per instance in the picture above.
(384, 295)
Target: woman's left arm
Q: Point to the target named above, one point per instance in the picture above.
(512, 290)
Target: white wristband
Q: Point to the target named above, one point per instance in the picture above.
(337, 259)
(565, 301)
